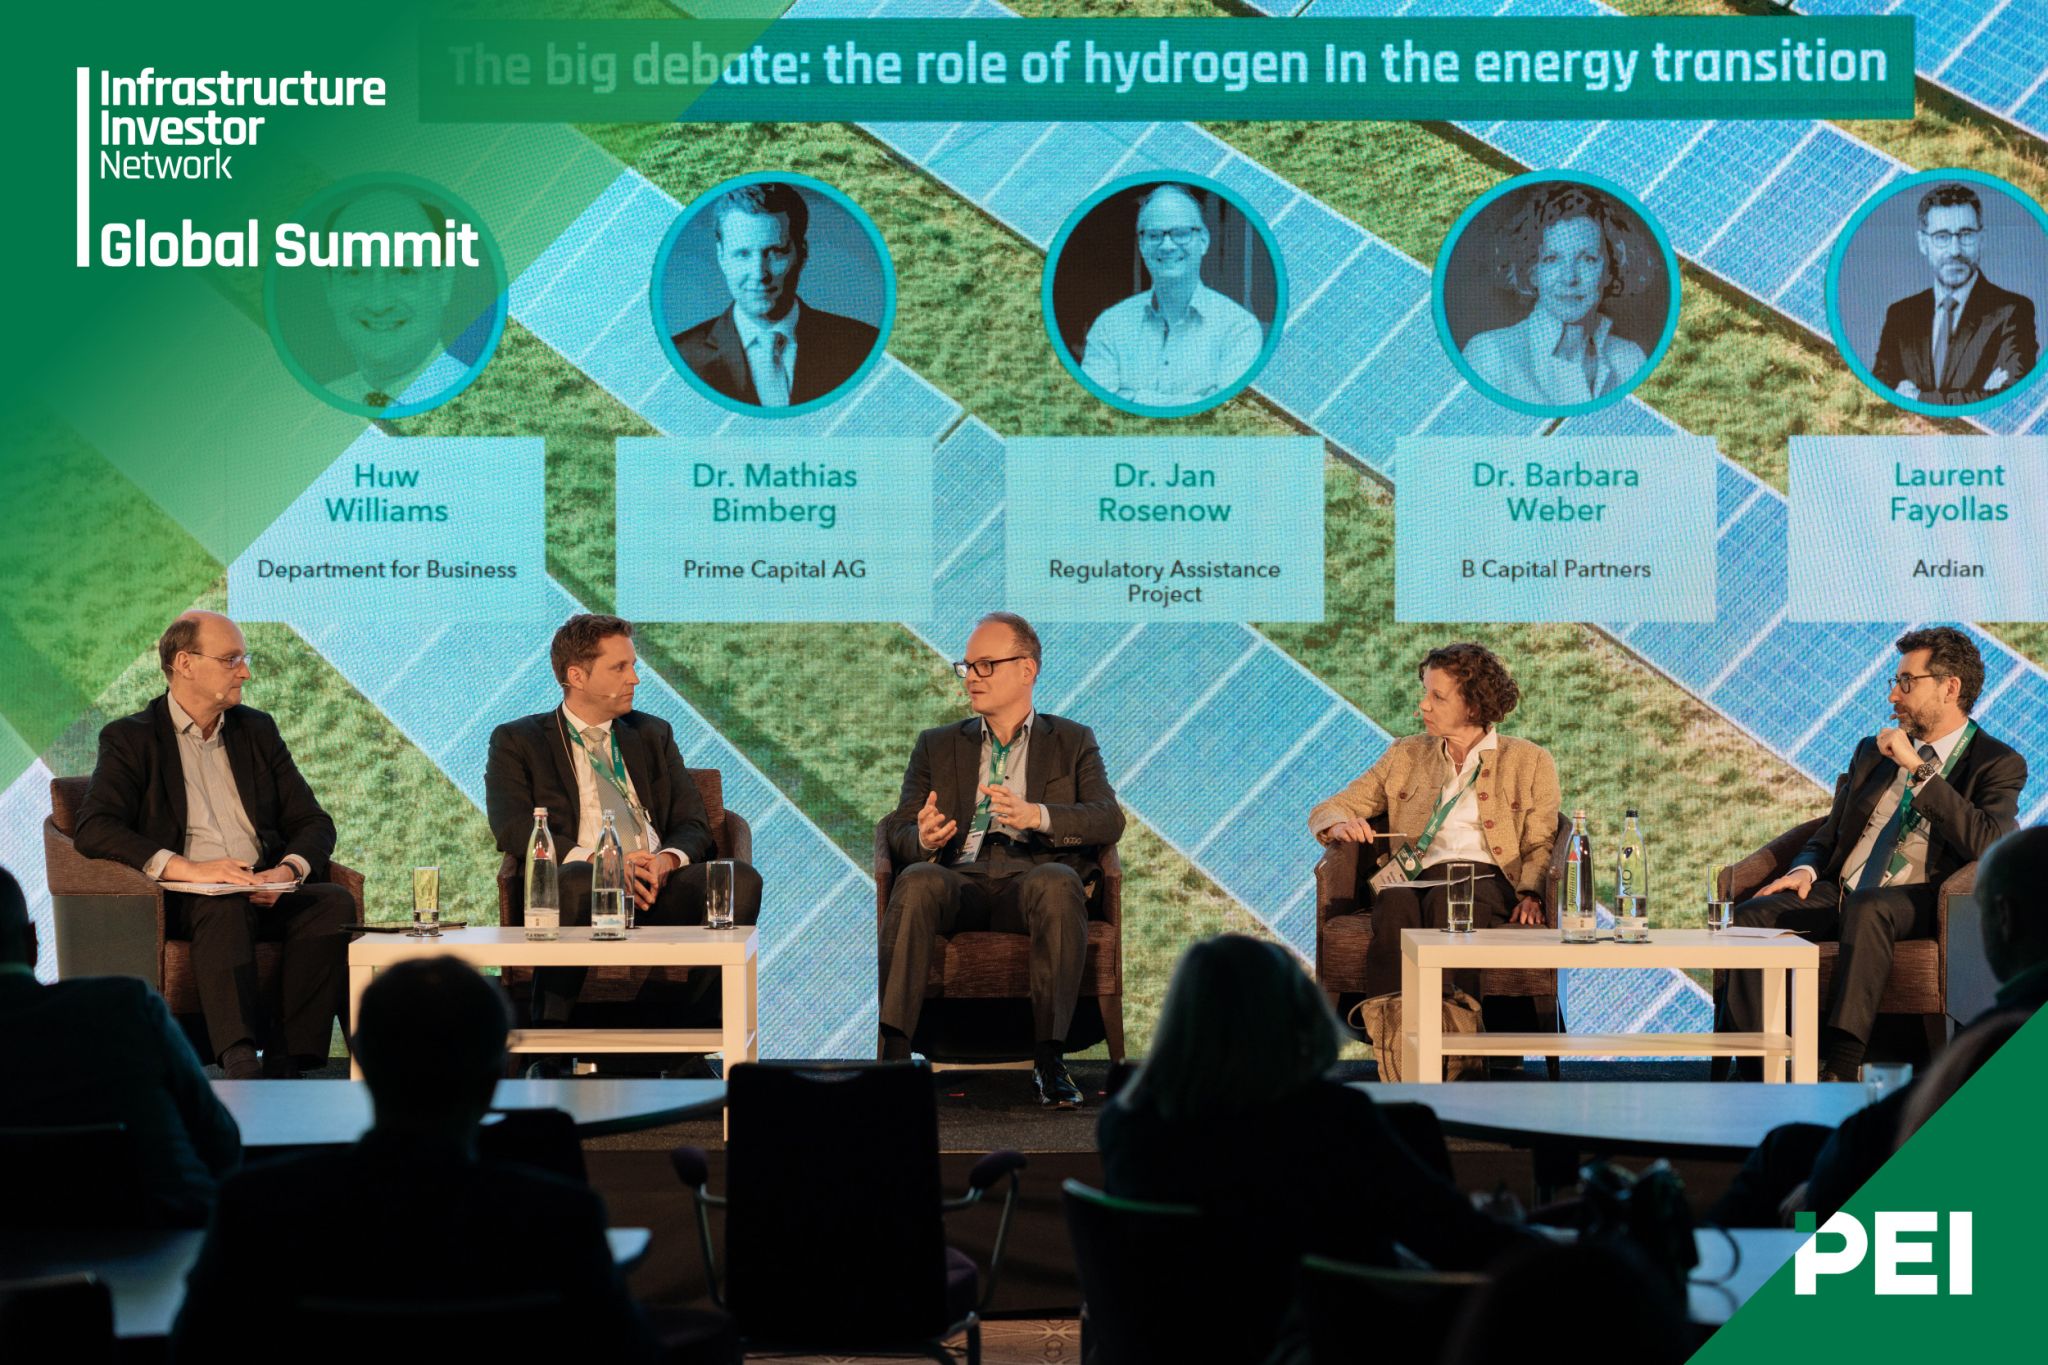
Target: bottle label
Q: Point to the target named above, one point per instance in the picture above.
(543, 924)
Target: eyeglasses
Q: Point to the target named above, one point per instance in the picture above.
(1947, 240)
(231, 660)
(982, 668)
(1181, 235)
(1904, 682)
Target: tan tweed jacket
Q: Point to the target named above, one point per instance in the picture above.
(1517, 791)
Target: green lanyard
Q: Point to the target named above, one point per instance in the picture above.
(616, 775)
(998, 763)
(1910, 820)
(1412, 861)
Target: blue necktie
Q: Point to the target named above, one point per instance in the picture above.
(1888, 838)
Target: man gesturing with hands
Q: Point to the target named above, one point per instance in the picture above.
(1000, 827)
(1921, 798)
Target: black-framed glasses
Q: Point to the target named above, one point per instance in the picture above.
(1904, 682)
(231, 660)
(1947, 241)
(982, 668)
(1180, 236)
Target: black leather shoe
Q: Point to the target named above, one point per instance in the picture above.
(1056, 1089)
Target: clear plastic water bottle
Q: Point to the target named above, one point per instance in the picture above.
(1632, 884)
(543, 916)
(608, 884)
(1576, 921)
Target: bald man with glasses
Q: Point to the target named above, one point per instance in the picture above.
(1001, 826)
(197, 787)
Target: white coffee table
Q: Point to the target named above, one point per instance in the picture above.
(734, 950)
(1426, 954)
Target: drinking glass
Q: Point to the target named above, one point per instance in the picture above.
(426, 903)
(718, 875)
(1720, 914)
(1458, 896)
(1882, 1078)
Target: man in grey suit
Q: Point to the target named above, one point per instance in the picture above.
(1000, 827)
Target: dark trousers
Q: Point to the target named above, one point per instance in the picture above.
(681, 901)
(1403, 907)
(1046, 901)
(225, 930)
(1868, 923)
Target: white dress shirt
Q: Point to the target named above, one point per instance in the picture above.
(590, 806)
(1461, 839)
(1133, 351)
(1539, 360)
(216, 824)
(1914, 845)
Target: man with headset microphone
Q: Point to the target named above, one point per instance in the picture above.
(593, 755)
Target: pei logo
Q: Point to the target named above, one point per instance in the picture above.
(1894, 1251)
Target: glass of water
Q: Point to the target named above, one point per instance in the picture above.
(1720, 914)
(426, 903)
(718, 878)
(1882, 1078)
(1458, 896)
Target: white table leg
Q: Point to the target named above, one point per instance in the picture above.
(358, 982)
(1774, 1020)
(1429, 1024)
(736, 993)
(1805, 1023)
(1410, 992)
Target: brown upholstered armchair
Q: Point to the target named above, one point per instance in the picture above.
(996, 966)
(731, 837)
(1918, 984)
(1344, 932)
(110, 918)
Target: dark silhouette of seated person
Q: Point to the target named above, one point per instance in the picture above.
(1808, 1166)
(409, 1218)
(1234, 1112)
(770, 348)
(103, 1050)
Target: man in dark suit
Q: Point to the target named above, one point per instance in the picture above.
(770, 348)
(1920, 800)
(409, 1219)
(104, 1049)
(593, 755)
(1833, 1163)
(196, 787)
(1001, 824)
(1965, 338)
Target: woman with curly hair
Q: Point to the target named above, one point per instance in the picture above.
(1568, 249)
(1460, 792)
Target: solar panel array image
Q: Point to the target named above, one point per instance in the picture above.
(1757, 203)
(1993, 53)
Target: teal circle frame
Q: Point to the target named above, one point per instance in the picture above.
(665, 331)
(1832, 291)
(501, 310)
(1165, 177)
(1442, 316)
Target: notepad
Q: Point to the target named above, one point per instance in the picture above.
(227, 888)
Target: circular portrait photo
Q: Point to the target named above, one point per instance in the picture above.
(773, 294)
(1164, 297)
(393, 300)
(1556, 296)
(1934, 290)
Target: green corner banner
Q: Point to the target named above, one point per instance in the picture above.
(1980, 1155)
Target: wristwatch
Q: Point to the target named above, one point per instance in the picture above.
(1926, 770)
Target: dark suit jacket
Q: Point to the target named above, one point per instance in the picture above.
(1995, 331)
(1967, 812)
(829, 348)
(105, 1050)
(1063, 773)
(398, 1218)
(531, 765)
(135, 804)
